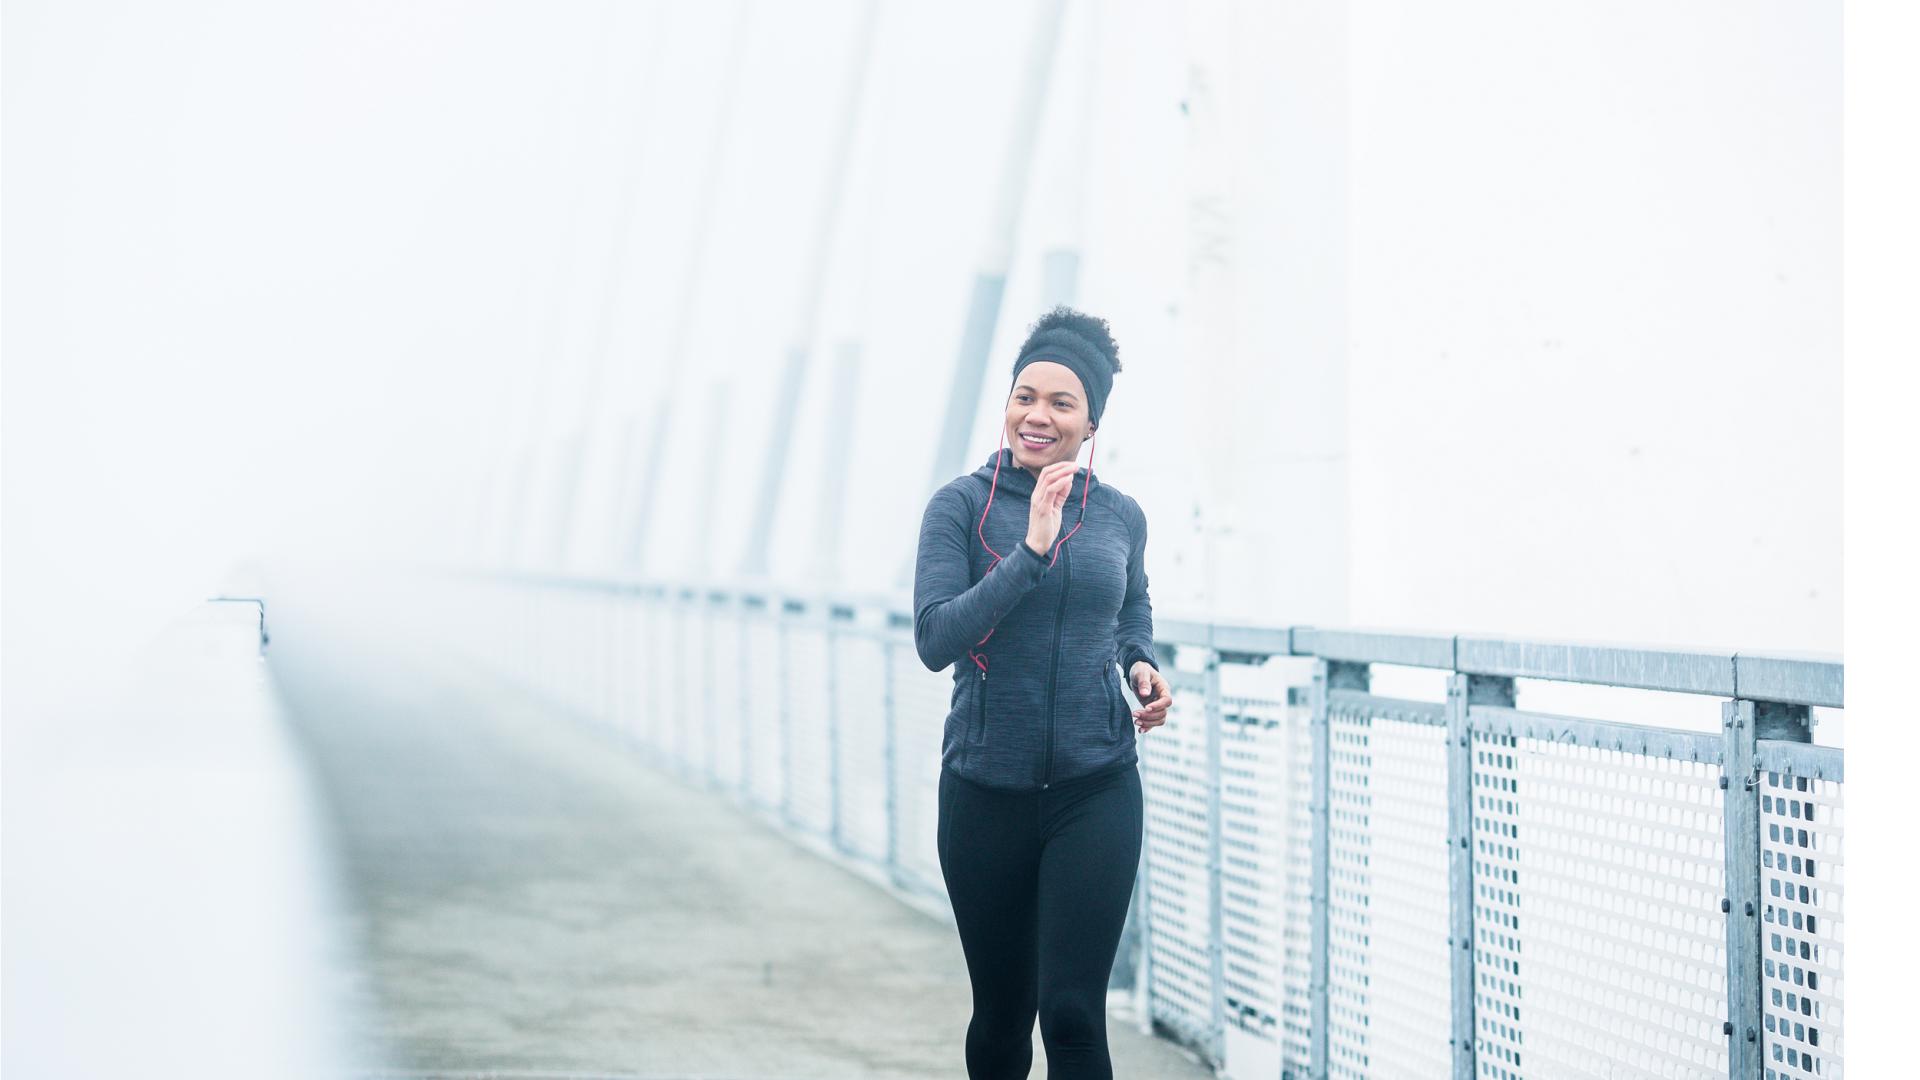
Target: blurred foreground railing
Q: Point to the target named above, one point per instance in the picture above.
(1338, 882)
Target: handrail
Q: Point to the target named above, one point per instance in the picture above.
(1788, 677)
(1463, 788)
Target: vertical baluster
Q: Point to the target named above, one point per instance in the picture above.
(1317, 895)
(889, 724)
(1216, 951)
(833, 732)
(1328, 675)
(1741, 818)
(1463, 692)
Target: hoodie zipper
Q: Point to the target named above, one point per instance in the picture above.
(1053, 667)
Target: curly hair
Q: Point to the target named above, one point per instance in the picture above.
(1092, 328)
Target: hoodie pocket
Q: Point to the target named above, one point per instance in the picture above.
(977, 731)
(1115, 703)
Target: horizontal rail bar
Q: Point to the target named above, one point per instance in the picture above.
(1698, 746)
(1381, 707)
(1375, 646)
(1800, 759)
(1599, 662)
(1257, 641)
(1795, 678)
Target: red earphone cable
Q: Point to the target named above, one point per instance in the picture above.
(981, 530)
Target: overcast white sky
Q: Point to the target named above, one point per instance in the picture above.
(321, 275)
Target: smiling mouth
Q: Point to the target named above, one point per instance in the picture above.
(1037, 442)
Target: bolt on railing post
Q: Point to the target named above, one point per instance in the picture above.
(1216, 949)
(1745, 723)
(1328, 675)
(1463, 692)
(1460, 873)
(1741, 818)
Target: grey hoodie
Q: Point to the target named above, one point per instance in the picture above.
(1039, 702)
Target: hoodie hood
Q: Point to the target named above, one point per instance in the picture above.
(1018, 480)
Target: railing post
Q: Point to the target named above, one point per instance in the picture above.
(1741, 818)
(1328, 675)
(1164, 657)
(1216, 946)
(890, 753)
(832, 630)
(1463, 692)
(783, 652)
(744, 684)
(1745, 723)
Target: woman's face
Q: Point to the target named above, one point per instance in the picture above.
(1047, 401)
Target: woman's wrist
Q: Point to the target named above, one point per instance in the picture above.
(1037, 550)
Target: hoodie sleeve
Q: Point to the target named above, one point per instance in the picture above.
(949, 616)
(1133, 636)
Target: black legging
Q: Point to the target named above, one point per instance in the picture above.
(1040, 883)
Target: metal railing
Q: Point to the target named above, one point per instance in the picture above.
(1336, 882)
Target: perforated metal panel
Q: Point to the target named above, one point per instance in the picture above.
(688, 692)
(1600, 948)
(1802, 826)
(766, 754)
(1388, 990)
(809, 752)
(655, 708)
(859, 669)
(920, 702)
(1179, 888)
(1297, 1049)
(725, 696)
(1255, 833)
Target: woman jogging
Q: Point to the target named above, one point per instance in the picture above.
(1040, 816)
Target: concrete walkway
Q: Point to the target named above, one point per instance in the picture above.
(532, 901)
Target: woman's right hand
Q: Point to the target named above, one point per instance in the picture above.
(1043, 508)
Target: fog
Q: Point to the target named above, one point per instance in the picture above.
(1495, 319)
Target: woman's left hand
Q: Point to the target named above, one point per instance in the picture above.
(1154, 694)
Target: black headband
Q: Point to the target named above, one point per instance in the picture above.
(1063, 346)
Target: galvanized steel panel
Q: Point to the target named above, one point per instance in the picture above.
(1600, 948)
(809, 749)
(922, 699)
(726, 696)
(1376, 646)
(1802, 859)
(766, 704)
(859, 690)
(1389, 967)
(1799, 678)
(1179, 887)
(1684, 670)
